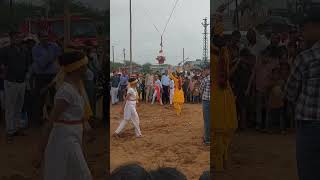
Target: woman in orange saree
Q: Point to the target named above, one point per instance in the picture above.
(223, 107)
(178, 96)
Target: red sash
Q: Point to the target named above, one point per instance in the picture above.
(68, 122)
(157, 89)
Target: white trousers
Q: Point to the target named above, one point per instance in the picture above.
(130, 113)
(154, 96)
(114, 95)
(14, 99)
(171, 96)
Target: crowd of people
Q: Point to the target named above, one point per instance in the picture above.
(156, 87)
(270, 83)
(44, 85)
(260, 70)
(170, 88)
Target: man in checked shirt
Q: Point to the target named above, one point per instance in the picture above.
(205, 91)
(303, 90)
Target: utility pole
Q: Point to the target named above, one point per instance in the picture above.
(130, 39)
(237, 16)
(11, 12)
(66, 23)
(124, 56)
(113, 54)
(183, 59)
(205, 40)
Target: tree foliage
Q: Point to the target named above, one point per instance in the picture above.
(146, 68)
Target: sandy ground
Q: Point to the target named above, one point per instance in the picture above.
(168, 140)
(16, 158)
(257, 156)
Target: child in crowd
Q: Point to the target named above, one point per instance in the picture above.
(275, 104)
(157, 90)
(190, 89)
(260, 80)
(241, 73)
(196, 91)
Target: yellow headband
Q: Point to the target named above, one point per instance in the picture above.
(76, 65)
(133, 82)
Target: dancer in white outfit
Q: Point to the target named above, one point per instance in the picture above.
(62, 148)
(130, 111)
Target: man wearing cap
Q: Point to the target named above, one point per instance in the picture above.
(44, 70)
(16, 61)
(302, 90)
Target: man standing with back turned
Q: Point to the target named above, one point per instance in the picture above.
(303, 90)
(45, 68)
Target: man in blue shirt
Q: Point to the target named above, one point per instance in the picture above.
(165, 80)
(123, 84)
(44, 68)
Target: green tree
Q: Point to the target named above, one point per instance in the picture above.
(146, 68)
(115, 66)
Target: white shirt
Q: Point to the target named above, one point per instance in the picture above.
(133, 94)
(75, 110)
(165, 80)
(261, 44)
(158, 82)
(171, 84)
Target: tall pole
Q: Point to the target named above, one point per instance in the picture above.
(237, 16)
(11, 12)
(66, 23)
(113, 54)
(124, 56)
(205, 40)
(183, 59)
(130, 39)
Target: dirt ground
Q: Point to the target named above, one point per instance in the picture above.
(258, 156)
(168, 140)
(16, 158)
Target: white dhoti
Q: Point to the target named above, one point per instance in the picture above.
(64, 159)
(171, 95)
(130, 113)
(114, 95)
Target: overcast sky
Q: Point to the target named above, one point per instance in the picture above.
(184, 30)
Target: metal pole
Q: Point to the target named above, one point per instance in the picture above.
(124, 56)
(66, 24)
(11, 12)
(130, 39)
(113, 54)
(183, 59)
(237, 16)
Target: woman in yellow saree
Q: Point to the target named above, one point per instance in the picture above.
(223, 108)
(178, 97)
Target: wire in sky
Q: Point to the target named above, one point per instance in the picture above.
(170, 17)
(148, 15)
